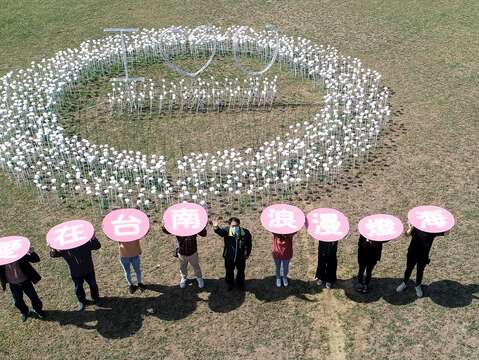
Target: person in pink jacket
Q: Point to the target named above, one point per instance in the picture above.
(282, 254)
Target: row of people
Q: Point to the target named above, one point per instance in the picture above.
(21, 276)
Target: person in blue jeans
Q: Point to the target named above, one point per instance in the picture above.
(81, 267)
(20, 276)
(130, 257)
(282, 252)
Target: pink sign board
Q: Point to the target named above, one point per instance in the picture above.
(13, 248)
(282, 219)
(380, 227)
(431, 219)
(185, 219)
(326, 224)
(126, 225)
(70, 234)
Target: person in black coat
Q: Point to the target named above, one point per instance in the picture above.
(418, 254)
(20, 276)
(327, 263)
(81, 267)
(237, 249)
(369, 253)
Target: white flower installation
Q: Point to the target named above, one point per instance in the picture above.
(34, 147)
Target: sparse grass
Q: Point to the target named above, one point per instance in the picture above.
(427, 54)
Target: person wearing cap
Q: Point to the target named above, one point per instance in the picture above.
(130, 252)
(187, 252)
(327, 263)
(369, 253)
(282, 253)
(418, 255)
(237, 249)
(80, 264)
(20, 277)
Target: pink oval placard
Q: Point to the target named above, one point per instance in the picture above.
(327, 224)
(185, 219)
(70, 234)
(126, 225)
(430, 218)
(380, 227)
(13, 248)
(282, 219)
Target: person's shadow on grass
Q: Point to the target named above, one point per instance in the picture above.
(121, 317)
(447, 293)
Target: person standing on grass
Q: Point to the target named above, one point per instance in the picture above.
(369, 253)
(418, 254)
(187, 251)
(81, 267)
(237, 249)
(20, 277)
(130, 252)
(282, 254)
(327, 263)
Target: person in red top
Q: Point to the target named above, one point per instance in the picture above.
(282, 254)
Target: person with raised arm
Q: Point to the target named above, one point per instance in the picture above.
(237, 249)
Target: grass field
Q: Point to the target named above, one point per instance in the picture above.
(427, 53)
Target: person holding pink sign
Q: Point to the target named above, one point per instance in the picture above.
(187, 252)
(20, 276)
(130, 253)
(418, 254)
(282, 254)
(369, 253)
(127, 227)
(327, 263)
(80, 264)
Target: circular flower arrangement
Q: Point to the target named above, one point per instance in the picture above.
(34, 147)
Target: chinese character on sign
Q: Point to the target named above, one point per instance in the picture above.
(327, 224)
(186, 218)
(431, 218)
(380, 227)
(9, 248)
(126, 227)
(69, 234)
(281, 218)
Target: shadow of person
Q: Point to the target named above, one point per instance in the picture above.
(452, 294)
(446, 293)
(174, 303)
(266, 290)
(121, 317)
(220, 299)
(378, 288)
(80, 319)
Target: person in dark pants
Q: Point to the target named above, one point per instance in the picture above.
(81, 267)
(20, 276)
(369, 253)
(327, 263)
(418, 254)
(237, 249)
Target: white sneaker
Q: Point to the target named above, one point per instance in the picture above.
(401, 287)
(201, 282)
(329, 285)
(285, 281)
(319, 282)
(183, 282)
(419, 292)
(278, 282)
